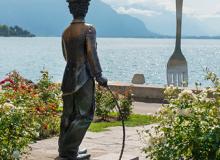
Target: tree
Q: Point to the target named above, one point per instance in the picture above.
(15, 31)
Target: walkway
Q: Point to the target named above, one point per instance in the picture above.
(146, 108)
(105, 145)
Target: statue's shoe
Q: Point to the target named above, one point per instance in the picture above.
(79, 157)
(82, 151)
(83, 157)
(60, 158)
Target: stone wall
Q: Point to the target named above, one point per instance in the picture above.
(140, 93)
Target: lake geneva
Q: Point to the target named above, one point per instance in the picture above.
(121, 58)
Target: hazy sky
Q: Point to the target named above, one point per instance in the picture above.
(196, 8)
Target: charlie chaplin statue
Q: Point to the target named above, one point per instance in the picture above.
(78, 86)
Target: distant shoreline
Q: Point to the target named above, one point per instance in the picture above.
(169, 37)
(16, 31)
(162, 37)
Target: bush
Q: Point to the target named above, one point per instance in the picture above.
(36, 109)
(48, 91)
(49, 126)
(17, 130)
(189, 125)
(49, 107)
(30, 111)
(125, 103)
(105, 104)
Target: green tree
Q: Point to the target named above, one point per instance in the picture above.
(16, 31)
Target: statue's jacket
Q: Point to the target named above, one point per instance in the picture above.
(80, 52)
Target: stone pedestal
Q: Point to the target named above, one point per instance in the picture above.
(138, 79)
(115, 157)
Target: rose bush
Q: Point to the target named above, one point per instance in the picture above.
(189, 125)
(49, 107)
(28, 112)
(31, 111)
(17, 130)
(125, 103)
(105, 104)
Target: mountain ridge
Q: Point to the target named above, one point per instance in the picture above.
(44, 19)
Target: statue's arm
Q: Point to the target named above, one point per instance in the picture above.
(92, 56)
(64, 50)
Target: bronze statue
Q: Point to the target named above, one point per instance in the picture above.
(78, 87)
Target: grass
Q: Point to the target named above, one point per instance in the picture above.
(133, 121)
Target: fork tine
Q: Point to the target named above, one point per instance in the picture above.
(176, 79)
(172, 82)
(179, 79)
(185, 79)
(170, 78)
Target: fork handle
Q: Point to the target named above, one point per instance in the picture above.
(179, 10)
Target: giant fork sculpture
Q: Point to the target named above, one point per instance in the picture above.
(177, 70)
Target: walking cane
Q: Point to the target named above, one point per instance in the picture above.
(122, 121)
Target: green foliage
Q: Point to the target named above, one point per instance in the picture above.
(49, 125)
(28, 112)
(105, 104)
(48, 91)
(125, 103)
(17, 130)
(189, 126)
(15, 31)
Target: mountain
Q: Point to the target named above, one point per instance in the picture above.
(166, 24)
(50, 17)
(111, 24)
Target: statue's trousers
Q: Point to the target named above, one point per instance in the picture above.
(78, 113)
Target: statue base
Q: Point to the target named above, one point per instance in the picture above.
(116, 156)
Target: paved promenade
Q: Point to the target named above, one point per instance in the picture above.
(104, 145)
(146, 108)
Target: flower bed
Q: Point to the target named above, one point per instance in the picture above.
(189, 125)
(29, 111)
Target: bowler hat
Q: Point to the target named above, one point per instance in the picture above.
(77, 1)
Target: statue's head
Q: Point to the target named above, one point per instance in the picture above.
(78, 8)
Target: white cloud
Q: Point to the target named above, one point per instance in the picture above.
(137, 12)
(202, 16)
(200, 9)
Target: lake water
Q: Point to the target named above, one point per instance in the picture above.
(120, 57)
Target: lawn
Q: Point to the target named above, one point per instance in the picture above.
(133, 121)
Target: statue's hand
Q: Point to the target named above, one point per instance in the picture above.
(102, 81)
